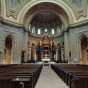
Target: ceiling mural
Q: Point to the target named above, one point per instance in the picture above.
(79, 7)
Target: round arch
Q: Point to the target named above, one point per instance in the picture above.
(8, 49)
(83, 48)
(28, 20)
(61, 4)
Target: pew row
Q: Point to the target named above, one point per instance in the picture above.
(19, 75)
(74, 75)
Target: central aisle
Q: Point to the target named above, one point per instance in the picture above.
(49, 79)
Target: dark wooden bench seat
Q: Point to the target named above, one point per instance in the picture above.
(73, 75)
(16, 76)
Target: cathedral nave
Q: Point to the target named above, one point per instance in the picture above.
(43, 43)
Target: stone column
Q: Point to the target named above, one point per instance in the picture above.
(66, 46)
(62, 54)
(29, 53)
(26, 46)
(35, 57)
(33, 52)
(77, 49)
(56, 54)
(74, 48)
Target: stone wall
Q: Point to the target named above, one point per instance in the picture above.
(73, 44)
(18, 42)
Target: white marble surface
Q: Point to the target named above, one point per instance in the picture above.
(49, 79)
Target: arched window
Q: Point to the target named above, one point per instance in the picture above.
(59, 30)
(33, 30)
(53, 31)
(39, 31)
(29, 27)
(46, 30)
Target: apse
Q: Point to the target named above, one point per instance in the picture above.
(46, 22)
(46, 17)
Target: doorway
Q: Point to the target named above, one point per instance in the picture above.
(8, 49)
(84, 50)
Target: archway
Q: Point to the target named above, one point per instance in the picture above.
(42, 10)
(45, 18)
(8, 49)
(45, 25)
(84, 49)
(59, 3)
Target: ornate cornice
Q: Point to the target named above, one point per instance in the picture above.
(79, 24)
(12, 24)
(15, 10)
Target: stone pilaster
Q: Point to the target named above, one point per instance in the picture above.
(66, 46)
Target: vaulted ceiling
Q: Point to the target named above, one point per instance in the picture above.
(16, 10)
(45, 14)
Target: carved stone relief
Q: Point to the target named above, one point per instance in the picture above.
(79, 7)
(13, 7)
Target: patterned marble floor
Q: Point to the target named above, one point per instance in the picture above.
(49, 79)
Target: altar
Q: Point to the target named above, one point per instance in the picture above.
(45, 51)
(46, 60)
(46, 46)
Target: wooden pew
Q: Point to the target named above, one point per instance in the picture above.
(18, 76)
(74, 75)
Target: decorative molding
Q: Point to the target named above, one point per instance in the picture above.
(61, 4)
(79, 7)
(15, 10)
(79, 24)
(12, 24)
(13, 7)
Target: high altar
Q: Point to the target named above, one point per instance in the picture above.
(42, 49)
(46, 46)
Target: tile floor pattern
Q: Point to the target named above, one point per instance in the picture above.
(49, 79)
